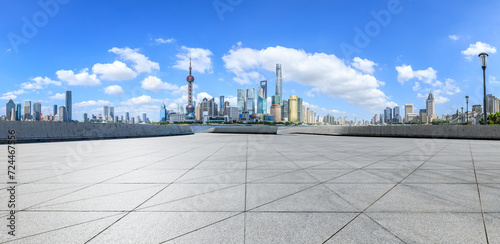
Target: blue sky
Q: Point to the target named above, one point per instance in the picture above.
(346, 58)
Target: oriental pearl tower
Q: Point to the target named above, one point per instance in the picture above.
(190, 107)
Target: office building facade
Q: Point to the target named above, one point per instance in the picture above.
(69, 105)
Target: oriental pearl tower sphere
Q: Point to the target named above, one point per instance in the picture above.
(190, 108)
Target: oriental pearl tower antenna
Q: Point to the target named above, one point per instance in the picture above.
(190, 107)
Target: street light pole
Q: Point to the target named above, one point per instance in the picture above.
(467, 101)
(483, 58)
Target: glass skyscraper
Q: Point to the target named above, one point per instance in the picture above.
(37, 111)
(241, 101)
(221, 106)
(163, 112)
(8, 109)
(18, 112)
(27, 110)
(69, 105)
(300, 110)
(112, 113)
(284, 111)
(250, 100)
(105, 113)
(279, 88)
(263, 85)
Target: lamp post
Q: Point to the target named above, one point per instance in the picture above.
(483, 58)
(467, 102)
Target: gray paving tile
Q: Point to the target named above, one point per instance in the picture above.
(492, 221)
(364, 230)
(316, 199)
(429, 198)
(156, 227)
(490, 197)
(293, 227)
(433, 227)
(261, 194)
(360, 195)
(441, 176)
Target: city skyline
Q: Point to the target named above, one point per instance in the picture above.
(135, 72)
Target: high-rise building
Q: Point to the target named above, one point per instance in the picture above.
(205, 107)
(105, 113)
(63, 114)
(276, 99)
(423, 115)
(284, 110)
(163, 112)
(190, 107)
(279, 87)
(431, 115)
(19, 114)
(54, 109)
(221, 106)
(263, 85)
(250, 104)
(112, 114)
(8, 109)
(241, 101)
(85, 117)
(226, 105)
(388, 115)
(408, 110)
(144, 118)
(69, 105)
(198, 112)
(27, 110)
(276, 112)
(300, 109)
(396, 116)
(261, 100)
(37, 111)
(127, 117)
(293, 112)
(233, 113)
(138, 119)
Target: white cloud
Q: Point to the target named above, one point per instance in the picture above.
(454, 37)
(153, 83)
(141, 62)
(493, 80)
(477, 48)
(117, 71)
(8, 50)
(405, 73)
(58, 96)
(163, 41)
(320, 110)
(113, 90)
(81, 79)
(92, 103)
(364, 65)
(325, 72)
(439, 89)
(39, 83)
(201, 59)
(12, 94)
(141, 100)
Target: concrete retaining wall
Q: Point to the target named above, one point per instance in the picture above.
(32, 131)
(415, 131)
(245, 129)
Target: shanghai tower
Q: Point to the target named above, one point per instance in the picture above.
(279, 88)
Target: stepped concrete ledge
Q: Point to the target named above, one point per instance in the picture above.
(39, 131)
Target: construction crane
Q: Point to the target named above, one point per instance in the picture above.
(43, 112)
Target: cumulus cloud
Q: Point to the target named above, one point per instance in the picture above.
(142, 64)
(405, 73)
(58, 96)
(39, 83)
(454, 37)
(153, 83)
(10, 95)
(81, 79)
(364, 65)
(117, 71)
(163, 41)
(477, 48)
(113, 90)
(141, 100)
(92, 103)
(201, 59)
(430, 83)
(493, 80)
(326, 73)
(320, 110)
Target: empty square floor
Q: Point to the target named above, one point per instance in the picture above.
(226, 188)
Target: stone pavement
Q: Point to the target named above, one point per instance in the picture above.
(224, 188)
